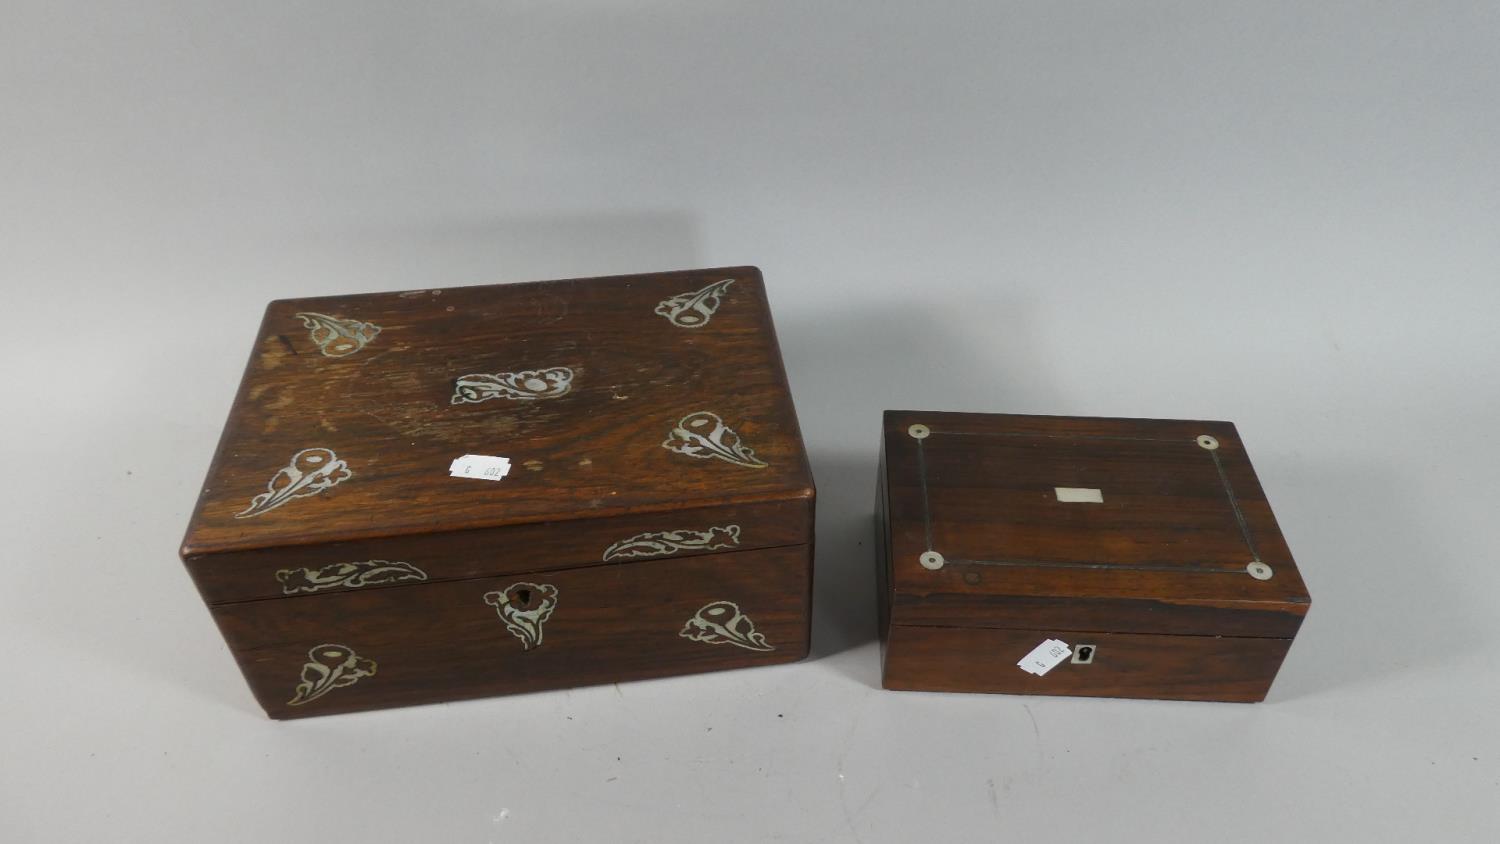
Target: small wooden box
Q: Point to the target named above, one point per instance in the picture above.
(1146, 547)
(358, 550)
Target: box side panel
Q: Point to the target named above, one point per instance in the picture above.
(1126, 665)
(370, 649)
(405, 561)
(882, 558)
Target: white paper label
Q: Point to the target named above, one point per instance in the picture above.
(1079, 495)
(1045, 657)
(480, 466)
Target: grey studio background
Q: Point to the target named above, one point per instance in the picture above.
(1283, 214)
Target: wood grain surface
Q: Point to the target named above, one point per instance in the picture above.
(953, 659)
(1164, 549)
(454, 555)
(443, 641)
(1156, 559)
(387, 410)
(656, 469)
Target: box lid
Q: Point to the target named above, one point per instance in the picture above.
(609, 397)
(1128, 525)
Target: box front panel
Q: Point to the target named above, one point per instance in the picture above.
(956, 659)
(325, 653)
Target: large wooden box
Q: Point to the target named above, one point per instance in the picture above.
(1145, 548)
(656, 517)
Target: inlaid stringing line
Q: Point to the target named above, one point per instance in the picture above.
(1224, 479)
(1053, 436)
(1234, 504)
(926, 508)
(1052, 564)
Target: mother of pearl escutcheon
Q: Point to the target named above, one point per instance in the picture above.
(524, 607)
(310, 471)
(330, 667)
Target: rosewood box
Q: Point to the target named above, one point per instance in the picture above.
(444, 494)
(1067, 556)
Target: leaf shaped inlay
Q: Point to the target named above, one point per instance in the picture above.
(674, 541)
(694, 309)
(722, 623)
(351, 575)
(528, 385)
(310, 471)
(330, 667)
(338, 337)
(704, 434)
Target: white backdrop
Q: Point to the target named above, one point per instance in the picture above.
(1286, 215)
